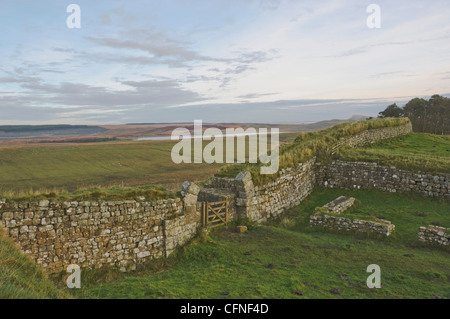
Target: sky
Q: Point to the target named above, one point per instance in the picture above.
(258, 61)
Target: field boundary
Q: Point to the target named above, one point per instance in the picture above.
(127, 233)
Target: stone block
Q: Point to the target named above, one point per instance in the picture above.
(190, 199)
(44, 203)
(241, 229)
(189, 188)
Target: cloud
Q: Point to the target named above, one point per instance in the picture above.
(164, 50)
(257, 56)
(161, 47)
(270, 4)
(386, 75)
(144, 93)
(255, 95)
(366, 48)
(20, 79)
(175, 60)
(279, 111)
(75, 102)
(105, 18)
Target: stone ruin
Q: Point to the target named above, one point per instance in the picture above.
(340, 204)
(435, 234)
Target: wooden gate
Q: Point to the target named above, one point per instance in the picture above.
(215, 214)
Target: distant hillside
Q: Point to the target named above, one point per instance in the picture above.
(11, 132)
(61, 133)
(328, 123)
(35, 128)
(32, 132)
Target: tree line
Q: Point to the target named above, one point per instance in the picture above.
(432, 116)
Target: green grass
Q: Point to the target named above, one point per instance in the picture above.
(150, 192)
(47, 168)
(20, 277)
(276, 260)
(60, 168)
(401, 209)
(285, 257)
(416, 152)
(308, 145)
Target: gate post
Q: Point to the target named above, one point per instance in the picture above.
(204, 213)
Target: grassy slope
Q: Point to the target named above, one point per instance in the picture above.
(298, 258)
(417, 152)
(308, 145)
(20, 277)
(114, 193)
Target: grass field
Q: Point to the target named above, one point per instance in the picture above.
(74, 166)
(20, 277)
(27, 168)
(416, 152)
(53, 168)
(291, 260)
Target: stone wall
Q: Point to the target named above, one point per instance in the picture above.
(361, 175)
(340, 204)
(179, 230)
(260, 203)
(383, 227)
(97, 233)
(268, 201)
(375, 135)
(126, 233)
(435, 234)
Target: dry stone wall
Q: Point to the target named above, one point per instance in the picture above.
(340, 204)
(361, 175)
(435, 234)
(94, 234)
(260, 203)
(383, 227)
(268, 201)
(126, 233)
(375, 135)
(179, 230)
